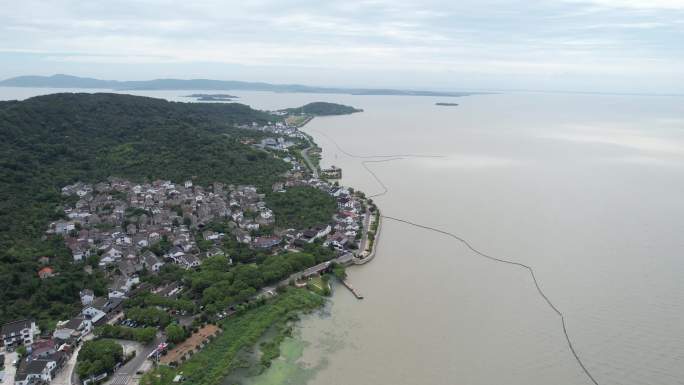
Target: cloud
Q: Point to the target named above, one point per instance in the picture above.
(635, 4)
(507, 43)
(631, 25)
(645, 161)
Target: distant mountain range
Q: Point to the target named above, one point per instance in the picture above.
(68, 81)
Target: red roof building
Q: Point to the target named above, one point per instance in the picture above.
(46, 272)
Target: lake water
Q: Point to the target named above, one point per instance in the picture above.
(587, 189)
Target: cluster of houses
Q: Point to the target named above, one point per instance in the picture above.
(46, 354)
(348, 222)
(43, 357)
(122, 223)
(279, 144)
(276, 128)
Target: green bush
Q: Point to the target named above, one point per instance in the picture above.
(97, 357)
(142, 335)
(302, 207)
(175, 333)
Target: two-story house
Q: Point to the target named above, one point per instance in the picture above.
(20, 332)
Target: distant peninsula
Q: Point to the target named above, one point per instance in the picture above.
(68, 81)
(212, 97)
(446, 104)
(322, 109)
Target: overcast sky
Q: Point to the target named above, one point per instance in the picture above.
(576, 45)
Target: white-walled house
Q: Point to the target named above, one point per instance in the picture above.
(87, 297)
(41, 369)
(20, 332)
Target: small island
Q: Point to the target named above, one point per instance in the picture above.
(446, 104)
(212, 97)
(322, 109)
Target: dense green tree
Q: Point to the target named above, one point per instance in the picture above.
(148, 316)
(148, 299)
(339, 272)
(98, 356)
(302, 207)
(175, 333)
(323, 108)
(143, 335)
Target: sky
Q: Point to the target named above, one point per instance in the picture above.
(564, 45)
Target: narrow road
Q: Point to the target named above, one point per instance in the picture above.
(307, 160)
(10, 370)
(125, 373)
(364, 236)
(66, 374)
(305, 155)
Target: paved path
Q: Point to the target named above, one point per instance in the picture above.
(271, 291)
(364, 238)
(65, 375)
(125, 373)
(309, 163)
(10, 370)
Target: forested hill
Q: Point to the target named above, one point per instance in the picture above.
(323, 109)
(50, 141)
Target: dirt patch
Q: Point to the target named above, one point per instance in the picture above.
(193, 344)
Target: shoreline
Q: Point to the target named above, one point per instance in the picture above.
(354, 260)
(374, 249)
(376, 240)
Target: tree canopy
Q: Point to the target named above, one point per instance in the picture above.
(175, 333)
(302, 207)
(323, 109)
(54, 140)
(97, 357)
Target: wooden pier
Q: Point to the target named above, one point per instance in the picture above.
(351, 288)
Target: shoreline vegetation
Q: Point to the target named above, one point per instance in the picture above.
(213, 364)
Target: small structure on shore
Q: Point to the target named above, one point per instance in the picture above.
(332, 173)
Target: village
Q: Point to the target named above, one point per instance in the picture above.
(126, 231)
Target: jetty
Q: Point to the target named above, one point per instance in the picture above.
(351, 288)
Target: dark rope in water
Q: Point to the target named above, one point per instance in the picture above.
(524, 266)
(385, 190)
